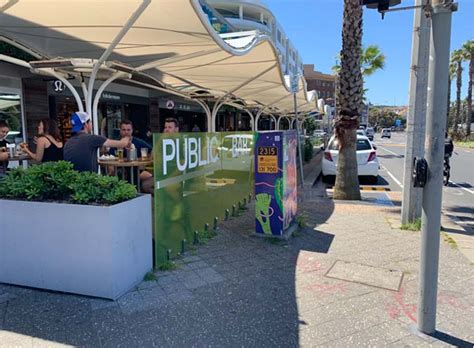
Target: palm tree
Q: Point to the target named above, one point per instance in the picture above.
(468, 55)
(349, 96)
(452, 73)
(371, 60)
(456, 59)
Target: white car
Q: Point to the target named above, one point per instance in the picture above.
(361, 132)
(367, 161)
(386, 133)
(370, 133)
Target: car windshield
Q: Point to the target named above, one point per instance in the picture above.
(362, 144)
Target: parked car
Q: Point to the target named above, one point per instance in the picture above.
(370, 133)
(386, 133)
(367, 161)
(361, 132)
(318, 133)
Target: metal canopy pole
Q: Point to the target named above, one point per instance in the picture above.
(299, 137)
(433, 190)
(103, 86)
(185, 96)
(47, 71)
(133, 18)
(51, 72)
(218, 102)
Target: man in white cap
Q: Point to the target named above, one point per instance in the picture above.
(81, 149)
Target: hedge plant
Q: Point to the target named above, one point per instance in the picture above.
(59, 182)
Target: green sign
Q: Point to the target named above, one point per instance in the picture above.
(197, 177)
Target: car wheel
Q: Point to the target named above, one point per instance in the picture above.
(327, 179)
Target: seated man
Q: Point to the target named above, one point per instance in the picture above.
(126, 130)
(148, 182)
(81, 149)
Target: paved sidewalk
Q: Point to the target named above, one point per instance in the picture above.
(239, 290)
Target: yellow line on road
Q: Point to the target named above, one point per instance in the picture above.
(374, 188)
(388, 144)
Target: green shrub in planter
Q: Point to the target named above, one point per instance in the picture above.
(59, 182)
(307, 150)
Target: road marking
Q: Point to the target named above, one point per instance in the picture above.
(392, 176)
(393, 153)
(394, 144)
(461, 187)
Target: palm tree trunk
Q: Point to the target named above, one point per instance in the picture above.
(349, 96)
(469, 96)
(449, 103)
(457, 117)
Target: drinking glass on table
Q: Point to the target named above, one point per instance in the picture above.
(120, 155)
(144, 153)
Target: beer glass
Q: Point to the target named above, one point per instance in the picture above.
(120, 155)
(144, 153)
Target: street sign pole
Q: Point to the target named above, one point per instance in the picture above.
(294, 88)
(432, 192)
(411, 202)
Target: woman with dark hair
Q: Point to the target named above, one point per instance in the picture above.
(49, 146)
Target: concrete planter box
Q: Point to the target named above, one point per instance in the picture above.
(100, 251)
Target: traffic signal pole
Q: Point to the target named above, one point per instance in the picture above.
(441, 13)
(411, 202)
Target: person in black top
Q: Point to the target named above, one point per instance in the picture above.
(4, 129)
(49, 146)
(448, 145)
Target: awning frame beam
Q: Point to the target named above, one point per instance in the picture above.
(90, 89)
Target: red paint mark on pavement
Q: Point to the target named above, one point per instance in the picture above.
(401, 307)
(451, 301)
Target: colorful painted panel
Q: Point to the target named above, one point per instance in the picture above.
(275, 181)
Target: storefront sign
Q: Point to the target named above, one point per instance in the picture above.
(170, 104)
(58, 86)
(110, 96)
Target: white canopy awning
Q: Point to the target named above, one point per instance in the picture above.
(172, 41)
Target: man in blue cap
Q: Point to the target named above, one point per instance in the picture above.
(81, 149)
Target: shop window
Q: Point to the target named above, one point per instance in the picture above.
(10, 111)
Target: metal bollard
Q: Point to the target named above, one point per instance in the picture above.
(206, 227)
(245, 202)
(216, 219)
(183, 246)
(196, 237)
(234, 207)
(250, 198)
(168, 254)
(227, 212)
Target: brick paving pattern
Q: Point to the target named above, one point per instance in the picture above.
(243, 291)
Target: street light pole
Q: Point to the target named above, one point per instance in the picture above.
(432, 193)
(411, 202)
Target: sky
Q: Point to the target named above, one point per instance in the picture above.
(314, 27)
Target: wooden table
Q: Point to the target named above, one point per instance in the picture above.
(139, 164)
(19, 158)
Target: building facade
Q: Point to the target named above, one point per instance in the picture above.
(324, 84)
